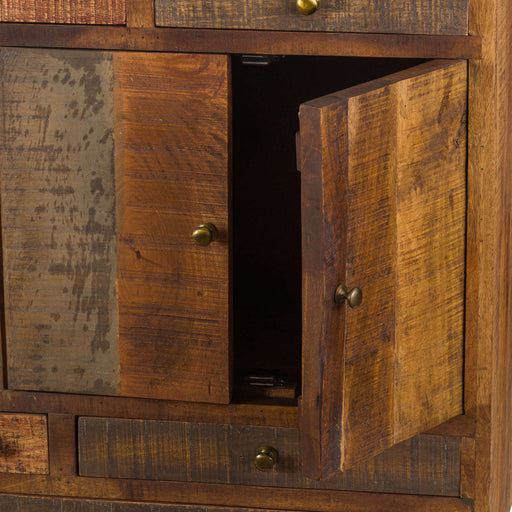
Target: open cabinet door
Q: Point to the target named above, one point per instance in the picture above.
(383, 213)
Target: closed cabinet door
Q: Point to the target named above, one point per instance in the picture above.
(115, 223)
(383, 240)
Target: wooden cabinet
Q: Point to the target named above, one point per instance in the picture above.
(224, 243)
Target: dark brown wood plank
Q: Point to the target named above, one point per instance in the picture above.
(211, 453)
(58, 221)
(404, 182)
(234, 41)
(172, 173)
(419, 16)
(63, 444)
(23, 444)
(41, 504)
(99, 12)
(228, 495)
(56, 403)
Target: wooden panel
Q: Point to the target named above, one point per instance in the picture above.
(23, 444)
(215, 453)
(354, 503)
(415, 17)
(101, 12)
(396, 160)
(244, 41)
(172, 119)
(58, 221)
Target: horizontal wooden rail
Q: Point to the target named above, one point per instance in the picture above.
(240, 41)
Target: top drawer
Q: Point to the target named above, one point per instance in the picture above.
(91, 12)
(391, 16)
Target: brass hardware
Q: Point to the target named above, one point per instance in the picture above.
(307, 6)
(205, 234)
(266, 458)
(354, 297)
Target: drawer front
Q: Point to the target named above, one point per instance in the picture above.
(91, 12)
(23, 444)
(393, 16)
(211, 453)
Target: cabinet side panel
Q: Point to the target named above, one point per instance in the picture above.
(392, 16)
(97, 12)
(58, 221)
(431, 209)
(172, 114)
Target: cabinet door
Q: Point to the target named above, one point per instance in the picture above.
(110, 162)
(383, 210)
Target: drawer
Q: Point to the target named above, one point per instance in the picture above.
(92, 12)
(394, 16)
(212, 453)
(24, 444)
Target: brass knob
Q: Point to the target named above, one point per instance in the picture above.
(354, 297)
(307, 6)
(205, 234)
(266, 458)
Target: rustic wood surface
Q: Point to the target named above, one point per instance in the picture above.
(419, 16)
(489, 256)
(58, 221)
(245, 41)
(41, 504)
(210, 453)
(405, 182)
(100, 12)
(24, 444)
(63, 444)
(140, 13)
(171, 132)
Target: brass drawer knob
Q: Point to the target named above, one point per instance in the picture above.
(307, 6)
(353, 297)
(205, 234)
(266, 458)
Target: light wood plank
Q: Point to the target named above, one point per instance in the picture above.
(100, 12)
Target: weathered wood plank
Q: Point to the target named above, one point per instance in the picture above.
(58, 221)
(401, 351)
(100, 12)
(24, 444)
(243, 41)
(352, 503)
(171, 136)
(393, 16)
(215, 453)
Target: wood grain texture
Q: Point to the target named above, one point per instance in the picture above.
(58, 221)
(100, 12)
(419, 16)
(401, 351)
(23, 444)
(227, 495)
(489, 291)
(241, 41)
(140, 13)
(42, 504)
(62, 444)
(172, 175)
(211, 453)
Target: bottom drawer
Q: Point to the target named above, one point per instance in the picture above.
(213, 453)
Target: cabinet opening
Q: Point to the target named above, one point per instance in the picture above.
(267, 283)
